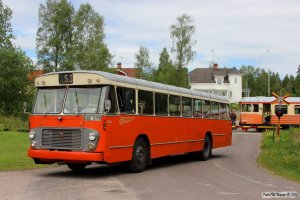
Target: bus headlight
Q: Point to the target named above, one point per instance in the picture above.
(31, 134)
(92, 136)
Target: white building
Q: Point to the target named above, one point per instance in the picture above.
(220, 81)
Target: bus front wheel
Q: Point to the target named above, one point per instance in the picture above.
(205, 154)
(139, 156)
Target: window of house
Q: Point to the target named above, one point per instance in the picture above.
(186, 107)
(145, 105)
(235, 80)
(126, 99)
(219, 80)
(174, 105)
(161, 104)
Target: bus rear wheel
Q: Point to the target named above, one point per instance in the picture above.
(76, 166)
(205, 154)
(139, 156)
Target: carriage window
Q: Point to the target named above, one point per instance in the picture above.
(126, 99)
(250, 108)
(161, 104)
(197, 108)
(297, 109)
(224, 111)
(174, 105)
(145, 102)
(206, 109)
(186, 107)
(283, 108)
(215, 110)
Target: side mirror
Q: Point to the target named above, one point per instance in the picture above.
(25, 109)
(107, 105)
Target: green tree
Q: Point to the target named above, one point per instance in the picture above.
(90, 51)
(54, 35)
(14, 90)
(14, 69)
(5, 26)
(166, 71)
(182, 33)
(143, 64)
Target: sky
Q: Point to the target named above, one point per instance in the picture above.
(264, 34)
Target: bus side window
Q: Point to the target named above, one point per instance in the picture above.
(215, 110)
(174, 105)
(206, 109)
(223, 111)
(126, 99)
(161, 104)
(197, 108)
(145, 99)
(186, 107)
(111, 95)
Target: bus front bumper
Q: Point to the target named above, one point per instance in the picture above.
(65, 156)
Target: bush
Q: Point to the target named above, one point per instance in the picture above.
(13, 124)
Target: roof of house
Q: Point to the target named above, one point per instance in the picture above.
(35, 74)
(131, 72)
(206, 75)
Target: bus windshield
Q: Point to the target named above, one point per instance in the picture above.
(82, 100)
(49, 100)
(78, 100)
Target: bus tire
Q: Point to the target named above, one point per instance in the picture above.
(205, 154)
(139, 156)
(76, 166)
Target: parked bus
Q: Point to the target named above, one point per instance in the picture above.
(84, 117)
(259, 112)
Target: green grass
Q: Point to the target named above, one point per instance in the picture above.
(282, 158)
(13, 151)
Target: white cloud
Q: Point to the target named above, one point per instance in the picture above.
(240, 32)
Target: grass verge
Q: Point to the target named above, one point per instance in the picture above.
(13, 152)
(282, 158)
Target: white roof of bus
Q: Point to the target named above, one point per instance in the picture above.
(144, 83)
(268, 99)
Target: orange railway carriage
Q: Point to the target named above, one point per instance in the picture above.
(259, 112)
(81, 117)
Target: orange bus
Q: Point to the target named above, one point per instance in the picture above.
(84, 117)
(259, 112)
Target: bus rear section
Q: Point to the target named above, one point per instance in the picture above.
(84, 117)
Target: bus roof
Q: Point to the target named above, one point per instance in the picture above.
(51, 79)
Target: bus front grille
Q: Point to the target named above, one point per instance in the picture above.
(67, 139)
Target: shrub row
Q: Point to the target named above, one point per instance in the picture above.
(13, 124)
